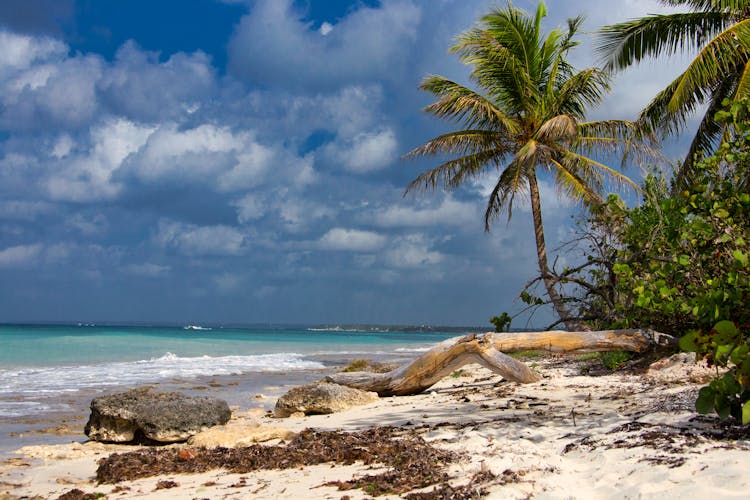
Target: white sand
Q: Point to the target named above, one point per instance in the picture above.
(567, 436)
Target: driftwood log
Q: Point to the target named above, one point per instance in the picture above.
(488, 350)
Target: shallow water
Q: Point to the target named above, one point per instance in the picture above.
(50, 373)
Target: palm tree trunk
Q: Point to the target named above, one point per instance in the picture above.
(541, 252)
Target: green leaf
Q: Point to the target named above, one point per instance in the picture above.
(722, 353)
(705, 402)
(746, 413)
(683, 260)
(726, 332)
(741, 257)
(721, 405)
(688, 341)
(739, 354)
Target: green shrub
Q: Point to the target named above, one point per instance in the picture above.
(685, 263)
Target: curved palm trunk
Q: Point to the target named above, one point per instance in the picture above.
(541, 252)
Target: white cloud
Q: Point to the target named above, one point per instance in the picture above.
(138, 86)
(298, 214)
(250, 168)
(88, 177)
(21, 51)
(365, 152)
(193, 240)
(249, 208)
(413, 251)
(449, 212)
(272, 45)
(325, 28)
(20, 255)
(353, 240)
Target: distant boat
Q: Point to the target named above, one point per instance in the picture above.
(195, 327)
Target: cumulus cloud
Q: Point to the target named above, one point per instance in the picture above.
(413, 251)
(139, 87)
(353, 240)
(88, 176)
(365, 152)
(193, 240)
(272, 45)
(19, 255)
(21, 51)
(449, 212)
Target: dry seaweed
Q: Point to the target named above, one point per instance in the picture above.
(76, 494)
(414, 463)
(476, 488)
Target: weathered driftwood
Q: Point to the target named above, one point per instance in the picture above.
(452, 354)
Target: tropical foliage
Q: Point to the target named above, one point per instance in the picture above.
(681, 264)
(526, 118)
(719, 31)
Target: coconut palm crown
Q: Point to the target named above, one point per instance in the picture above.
(527, 116)
(719, 31)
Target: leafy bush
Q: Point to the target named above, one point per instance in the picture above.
(685, 263)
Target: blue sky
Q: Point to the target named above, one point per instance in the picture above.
(239, 161)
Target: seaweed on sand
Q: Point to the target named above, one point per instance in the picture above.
(412, 462)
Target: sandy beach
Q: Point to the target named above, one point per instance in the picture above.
(630, 434)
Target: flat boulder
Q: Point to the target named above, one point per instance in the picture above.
(166, 417)
(320, 399)
(237, 434)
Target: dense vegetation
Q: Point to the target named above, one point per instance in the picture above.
(680, 261)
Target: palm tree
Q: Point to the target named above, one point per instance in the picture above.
(529, 116)
(719, 30)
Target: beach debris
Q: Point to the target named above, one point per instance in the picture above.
(239, 434)
(320, 399)
(489, 351)
(76, 494)
(412, 463)
(164, 417)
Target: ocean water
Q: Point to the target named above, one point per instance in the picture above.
(52, 370)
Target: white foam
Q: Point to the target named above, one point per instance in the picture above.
(413, 349)
(45, 380)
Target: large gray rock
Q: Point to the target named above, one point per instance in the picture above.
(166, 417)
(320, 399)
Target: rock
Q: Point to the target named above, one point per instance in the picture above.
(166, 417)
(321, 398)
(238, 434)
(681, 368)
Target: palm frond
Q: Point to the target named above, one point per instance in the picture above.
(462, 142)
(710, 5)
(596, 169)
(715, 62)
(626, 43)
(708, 135)
(509, 185)
(568, 182)
(452, 173)
(560, 128)
(743, 85)
(459, 103)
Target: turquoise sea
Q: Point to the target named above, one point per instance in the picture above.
(51, 370)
